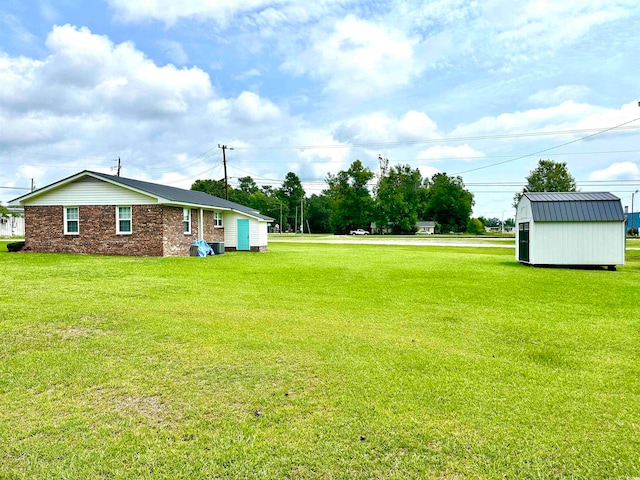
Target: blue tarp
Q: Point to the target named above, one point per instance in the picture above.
(203, 248)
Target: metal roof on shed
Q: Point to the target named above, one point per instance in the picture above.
(575, 207)
(569, 196)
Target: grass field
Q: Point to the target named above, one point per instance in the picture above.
(318, 361)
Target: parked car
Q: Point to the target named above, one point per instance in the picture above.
(359, 231)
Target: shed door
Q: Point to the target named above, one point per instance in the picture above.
(243, 234)
(523, 242)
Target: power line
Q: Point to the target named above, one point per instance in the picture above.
(444, 140)
(617, 127)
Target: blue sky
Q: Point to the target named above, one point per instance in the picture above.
(474, 88)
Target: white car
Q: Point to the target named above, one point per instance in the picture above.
(359, 231)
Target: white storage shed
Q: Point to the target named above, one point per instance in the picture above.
(570, 229)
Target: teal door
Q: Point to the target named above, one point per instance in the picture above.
(243, 235)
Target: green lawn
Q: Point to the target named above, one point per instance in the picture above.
(318, 361)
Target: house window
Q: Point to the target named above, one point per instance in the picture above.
(123, 220)
(186, 220)
(217, 219)
(71, 221)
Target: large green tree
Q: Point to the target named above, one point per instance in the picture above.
(448, 203)
(548, 176)
(351, 203)
(398, 199)
(267, 205)
(317, 211)
(291, 194)
(475, 227)
(4, 212)
(242, 194)
(212, 187)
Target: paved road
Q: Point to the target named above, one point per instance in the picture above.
(425, 242)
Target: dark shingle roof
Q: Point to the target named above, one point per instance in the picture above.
(575, 206)
(180, 195)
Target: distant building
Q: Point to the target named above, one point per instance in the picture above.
(633, 220)
(570, 228)
(13, 225)
(427, 227)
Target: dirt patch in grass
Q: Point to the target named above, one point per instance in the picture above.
(150, 407)
(80, 332)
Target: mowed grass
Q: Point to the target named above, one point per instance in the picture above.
(318, 361)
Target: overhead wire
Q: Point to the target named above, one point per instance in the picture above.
(616, 127)
(443, 140)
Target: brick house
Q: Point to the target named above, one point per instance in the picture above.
(96, 213)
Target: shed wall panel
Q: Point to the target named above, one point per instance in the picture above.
(572, 243)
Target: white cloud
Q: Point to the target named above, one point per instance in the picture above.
(447, 152)
(357, 58)
(427, 171)
(567, 115)
(380, 127)
(175, 51)
(263, 11)
(21, 35)
(559, 94)
(617, 171)
(548, 24)
(49, 12)
(251, 73)
(247, 109)
(88, 73)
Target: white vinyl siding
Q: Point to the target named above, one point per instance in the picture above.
(123, 220)
(263, 233)
(12, 226)
(71, 221)
(91, 191)
(577, 243)
(186, 220)
(257, 231)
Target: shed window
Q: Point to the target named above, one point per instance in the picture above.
(123, 220)
(71, 221)
(186, 220)
(217, 219)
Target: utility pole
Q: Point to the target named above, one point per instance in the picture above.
(224, 162)
(302, 216)
(632, 215)
(118, 167)
(33, 185)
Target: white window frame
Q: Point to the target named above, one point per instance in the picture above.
(186, 221)
(217, 220)
(67, 220)
(118, 219)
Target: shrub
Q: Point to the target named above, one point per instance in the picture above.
(15, 246)
(475, 227)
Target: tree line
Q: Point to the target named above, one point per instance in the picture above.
(400, 197)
